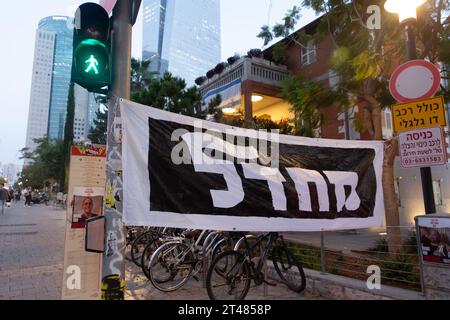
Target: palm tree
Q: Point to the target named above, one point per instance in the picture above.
(140, 74)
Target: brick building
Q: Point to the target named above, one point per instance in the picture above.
(256, 81)
(252, 83)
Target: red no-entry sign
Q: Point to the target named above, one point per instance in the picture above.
(414, 80)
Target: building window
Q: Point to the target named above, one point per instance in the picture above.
(437, 192)
(309, 53)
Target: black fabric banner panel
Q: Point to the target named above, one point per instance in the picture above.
(179, 188)
(185, 172)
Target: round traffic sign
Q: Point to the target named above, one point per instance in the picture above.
(414, 80)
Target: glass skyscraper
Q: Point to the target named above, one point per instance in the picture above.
(62, 28)
(50, 80)
(181, 36)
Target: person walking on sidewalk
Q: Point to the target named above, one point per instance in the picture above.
(28, 192)
(3, 197)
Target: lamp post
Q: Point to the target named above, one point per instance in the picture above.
(406, 10)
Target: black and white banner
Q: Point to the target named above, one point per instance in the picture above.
(183, 172)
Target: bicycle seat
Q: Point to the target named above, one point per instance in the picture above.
(192, 234)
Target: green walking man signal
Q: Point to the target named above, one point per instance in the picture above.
(91, 67)
(93, 63)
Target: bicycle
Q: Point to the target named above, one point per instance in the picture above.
(174, 262)
(234, 270)
(155, 241)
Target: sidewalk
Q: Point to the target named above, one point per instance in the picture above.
(140, 288)
(32, 252)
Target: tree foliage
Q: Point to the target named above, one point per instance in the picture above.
(98, 133)
(140, 74)
(68, 136)
(47, 163)
(364, 58)
(168, 93)
(306, 98)
(171, 94)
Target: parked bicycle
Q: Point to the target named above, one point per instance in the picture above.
(174, 262)
(231, 273)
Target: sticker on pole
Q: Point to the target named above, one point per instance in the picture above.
(414, 80)
(422, 147)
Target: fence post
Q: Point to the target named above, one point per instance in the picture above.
(265, 278)
(322, 252)
(419, 254)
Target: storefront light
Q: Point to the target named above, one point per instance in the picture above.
(229, 110)
(256, 98)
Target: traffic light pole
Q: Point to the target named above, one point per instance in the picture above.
(425, 172)
(113, 270)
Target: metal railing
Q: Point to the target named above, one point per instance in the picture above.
(255, 69)
(350, 254)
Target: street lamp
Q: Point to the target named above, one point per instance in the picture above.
(406, 10)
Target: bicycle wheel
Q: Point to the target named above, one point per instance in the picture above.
(228, 277)
(147, 254)
(131, 236)
(171, 266)
(290, 272)
(138, 246)
(224, 244)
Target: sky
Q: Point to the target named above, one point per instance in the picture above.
(241, 21)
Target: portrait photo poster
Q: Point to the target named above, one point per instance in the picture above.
(86, 203)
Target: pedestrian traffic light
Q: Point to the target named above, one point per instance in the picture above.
(91, 48)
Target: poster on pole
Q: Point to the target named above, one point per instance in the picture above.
(435, 239)
(185, 172)
(82, 270)
(86, 203)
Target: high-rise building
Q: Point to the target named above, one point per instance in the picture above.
(93, 107)
(81, 113)
(181, 36)
(51, 79)
(41, 85)
(85, 113)
(62, 65)
(9, 173)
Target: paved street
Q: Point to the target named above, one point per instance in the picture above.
(31, 261)
(32, 252)
(139, 288)
(339, 240)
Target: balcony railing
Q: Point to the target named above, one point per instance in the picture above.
(255, 69)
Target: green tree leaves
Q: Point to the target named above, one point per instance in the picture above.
(171, 94)
(47, 163)
(366, 65)
(97, 134)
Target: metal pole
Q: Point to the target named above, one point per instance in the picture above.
(113, 271)
(420, 254)
(425, 172)
(266, 277)
(322, 252)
